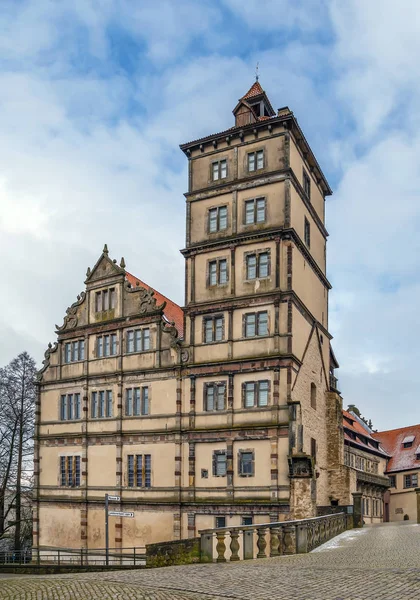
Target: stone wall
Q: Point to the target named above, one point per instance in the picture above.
(180, 552)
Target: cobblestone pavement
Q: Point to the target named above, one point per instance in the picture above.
(379, 562)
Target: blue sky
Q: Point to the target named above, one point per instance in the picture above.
(96, 96)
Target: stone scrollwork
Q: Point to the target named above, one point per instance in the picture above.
(70, 320)
(172, 330)
(46, 362)
(147, 298)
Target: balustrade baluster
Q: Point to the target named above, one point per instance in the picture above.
(274, 541)
(220, 546)
(261, 542)
(289, 545)
(234, 544)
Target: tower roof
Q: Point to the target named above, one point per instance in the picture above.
(254, 90)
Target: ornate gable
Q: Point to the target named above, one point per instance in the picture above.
(104, 268)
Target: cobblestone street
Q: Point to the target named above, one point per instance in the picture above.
(375, 562)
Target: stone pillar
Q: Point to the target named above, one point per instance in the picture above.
(357, 509)
(417, 490)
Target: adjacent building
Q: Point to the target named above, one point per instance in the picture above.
(225, 411)
(403, 470)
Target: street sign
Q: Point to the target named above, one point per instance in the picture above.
(120, 513)
(114, 498)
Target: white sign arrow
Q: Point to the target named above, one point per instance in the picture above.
(114, 498)
(119, 513)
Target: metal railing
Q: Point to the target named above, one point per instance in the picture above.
(78, 557)
(271, 539)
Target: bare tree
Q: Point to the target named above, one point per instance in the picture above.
(17, 410)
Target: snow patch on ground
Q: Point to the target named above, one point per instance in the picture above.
(340, 540)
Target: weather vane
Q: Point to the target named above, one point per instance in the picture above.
(256, 72)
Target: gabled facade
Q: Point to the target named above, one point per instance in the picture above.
(241, 420)
(403, 470)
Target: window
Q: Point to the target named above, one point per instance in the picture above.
(105, 300)
(136, 402)
(313, 449)
(219, 169)
(247, 521)
(214, 396)
(218, 273)
(307, 233)
(74, 351)
(213, 329)
(255, 160)
(138, 340)
(313, 395)
(219, 463)
(69, 471)
(246, 463)
(70, 407)
(306, 184)
(257, 265)
(106, 345)
(254, 211)
(220, 522)
(218, 219)
(411, 480)
(255, 393)
(139, 470)
(256, 324)
(101, 404)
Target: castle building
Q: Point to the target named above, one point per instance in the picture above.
(225, 411)
(403, 470)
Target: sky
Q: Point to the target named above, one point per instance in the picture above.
(97, 95)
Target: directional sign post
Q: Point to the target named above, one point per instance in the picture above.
(112, 513)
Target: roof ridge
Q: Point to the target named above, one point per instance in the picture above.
(152, 288)
(397, 429)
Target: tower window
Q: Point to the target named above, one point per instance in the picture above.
(257, 265)
(313, 449)
(219, 170)
(246, 463)
(255, 324)
(218, 273)
(306, 184)
(255, 211)
(255, 160)
(307, 233)
(313, 395)
(219, 464)
(217, 219)
(255, 393)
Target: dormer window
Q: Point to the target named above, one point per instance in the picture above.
(408, 441)
(105, 300)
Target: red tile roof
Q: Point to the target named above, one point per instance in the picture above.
(172, 311)
(402, 458)
(254, 90)
(357, 433)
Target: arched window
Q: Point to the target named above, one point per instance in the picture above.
(313, 395)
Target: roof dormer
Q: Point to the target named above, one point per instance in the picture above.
(253, 106)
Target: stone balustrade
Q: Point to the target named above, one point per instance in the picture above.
(270, 539)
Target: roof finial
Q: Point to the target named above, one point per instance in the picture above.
(256, 72)
(122, 263)
(105, 250)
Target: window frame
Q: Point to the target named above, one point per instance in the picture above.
(105, 299)
(137, 401)
(257, 324)
(313, 395)
(257, 390)
(70, 474)
(215, 387)
(307, 232)
(306, 183)
(258, 264)
(70, 407)
(217, 262)
(241, 463)
(139, 471)
(106, 345)
(95, 404)
(214, 329)
(70, 351)
(215, 463)
(136, 338)
(217, 210)
(254, 203)
(220, 168)
(254, 155)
